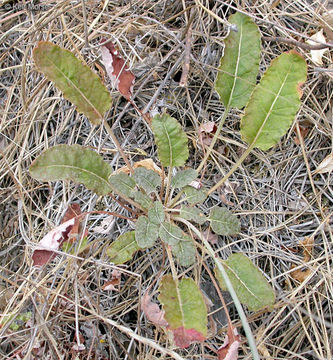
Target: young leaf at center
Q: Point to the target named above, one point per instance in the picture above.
(78, 82)
(123, 183)
(156, 213)
(239, 65)
(183, 178)
(185, 310)
(274, 102)
(147, 179)
(146, 232)
(171, 140)
(73, 162)
(250, 285)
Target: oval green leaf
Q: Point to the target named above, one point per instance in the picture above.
(143, 199)
(184, 251)
(156, 213)
(223, 222)
(194, 196)
(192, 213)
(185, 310)
(78, 82)
(239, 66)
(171, 140)
(73, 162)
(122, 184)
(170, 234)
(149, 180)
(274, 102)
(122, 249)
(146, 233)
(183, 178)
(250, 285)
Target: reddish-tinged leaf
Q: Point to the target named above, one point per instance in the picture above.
(229, 349)
(72, 212)
(121, 77)
(152, 311)
(52, 241)
(185, 337)
(185, 310)
(67, 231)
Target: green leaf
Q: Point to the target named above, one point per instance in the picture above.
(73, 162)
(156, 213)
(146, 232)
(170, 234)
(78, 82)
(184, 251)
(250, 285)
(185, 310)
(239, 65)
(192, 213)
(149, 180)
(223, 222)
(183, 178)
(194, 196)
(123, 184)
(122, 249)
(274, 102)
(143, 199)
(171, 140)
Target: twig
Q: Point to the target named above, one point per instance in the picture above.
(300, 44)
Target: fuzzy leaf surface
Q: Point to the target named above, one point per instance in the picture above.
(73, 162)
(146, 232)
(223, 222)
(122, 249)
(184, 251)
(193, 214)
(239, 66)
(185, 310)
(143, 199)
(170, 234)
(171, 140)
(156, 213)
(194, 196)
(183, 178)
(123, 184)
(275, 101)
(149, 180)
(250, 285)
(78, 83)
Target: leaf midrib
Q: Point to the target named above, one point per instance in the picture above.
(75, 87)
(77, 169)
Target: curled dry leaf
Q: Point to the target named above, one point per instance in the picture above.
(325, 166)
(146, 163)
(152, 311)
(121, 77)
(114, 283)
(307, 245)
(317, 55)
(229, 349)
(206, 132)
(67, 231)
